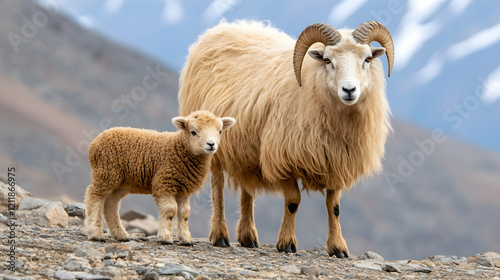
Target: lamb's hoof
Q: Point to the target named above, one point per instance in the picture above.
(222, 242)
(123, 239)
(165, 242)
(250, 244)
(290, 248)
(339, 254)
(97, 239)
(190, 244)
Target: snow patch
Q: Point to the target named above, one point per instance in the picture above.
(491, 87)
(343, 10)
(173, 12)
(477, 42)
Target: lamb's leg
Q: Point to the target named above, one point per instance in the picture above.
(168, 207)
(112, 215)
(219, 234)
(287, 242)
(247, 232)
(182, 219)
(335, 243)
(94, 204)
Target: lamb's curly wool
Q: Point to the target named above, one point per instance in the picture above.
(169, 165)
(287, 132)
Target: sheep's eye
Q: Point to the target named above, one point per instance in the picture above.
(193, 133)
(327, 61)
(368, 59)
(220, 131)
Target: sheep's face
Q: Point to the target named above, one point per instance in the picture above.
(347, 67)
(203, 130)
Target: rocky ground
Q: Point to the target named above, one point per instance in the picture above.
(50, 244)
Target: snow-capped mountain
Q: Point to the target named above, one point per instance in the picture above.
(447, 71)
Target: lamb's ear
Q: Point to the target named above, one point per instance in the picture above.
(180, 123)
(227, 122)
(316, 54)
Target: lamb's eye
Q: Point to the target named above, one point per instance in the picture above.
(368, 59)
(220, 131)
(193, 133)
(327, 61)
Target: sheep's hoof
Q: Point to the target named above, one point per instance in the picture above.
(290, 248)
(190, 244)
(222, 242)
(165, 242)
(123, 239)
(338, 253)
(250, 244)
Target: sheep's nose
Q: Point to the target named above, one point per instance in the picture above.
(211, 144)
(349, 91)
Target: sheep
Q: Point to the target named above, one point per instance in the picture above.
(327, 128)
(169, 165)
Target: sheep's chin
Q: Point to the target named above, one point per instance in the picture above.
(349, 102)
(209, 152)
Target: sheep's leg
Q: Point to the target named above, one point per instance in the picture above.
(94, 204)
(219, 234)
(247, 232)
(287, 242)
(335, 243)
(112, 215)
(168, 207)
(183, 212)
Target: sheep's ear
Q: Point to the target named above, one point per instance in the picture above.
(180, 123)
(376, 52)
(316, 54)
(227, 122)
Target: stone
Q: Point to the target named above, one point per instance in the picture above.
(202, 277)
(75, 209)
(486, 259)
(311, 271)
(152, 275)
(369, 264)
(369, 255)
(290, 268)
(19, 192)
(448, 259)
(171, 268)
(64, 275)
(391, 267)
(148, 225)
(84, 249)
(76, 264)
(119, 250)
(132, 215)
(88, 276)
(42, 212)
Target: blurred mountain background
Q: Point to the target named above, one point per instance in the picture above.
(70, 69)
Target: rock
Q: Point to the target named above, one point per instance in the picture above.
(423, 270)
(202, 277)
(75, 209)
(85, 249)
(5, 190)
(76, 264)
(239, 250)
(64, 275)
(391, 268)
(119, 250)
(148, 225)
(152, 275)
(290, 268)
(369, 264)
(248, 272)
(486, 259)
(371, 256)
(88, 276)
(448, 259)
(176, 269)
(43, 212)
(311, 271)
(132, 215)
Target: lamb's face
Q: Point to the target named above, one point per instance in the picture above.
(348, 67)
(203, 130)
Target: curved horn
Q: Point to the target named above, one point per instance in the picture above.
(318, 32)
(376, 31)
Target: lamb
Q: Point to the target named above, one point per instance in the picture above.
(324, 123)
(169, 165)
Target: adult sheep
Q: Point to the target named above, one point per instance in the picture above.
(169, 165)
(326, 128)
